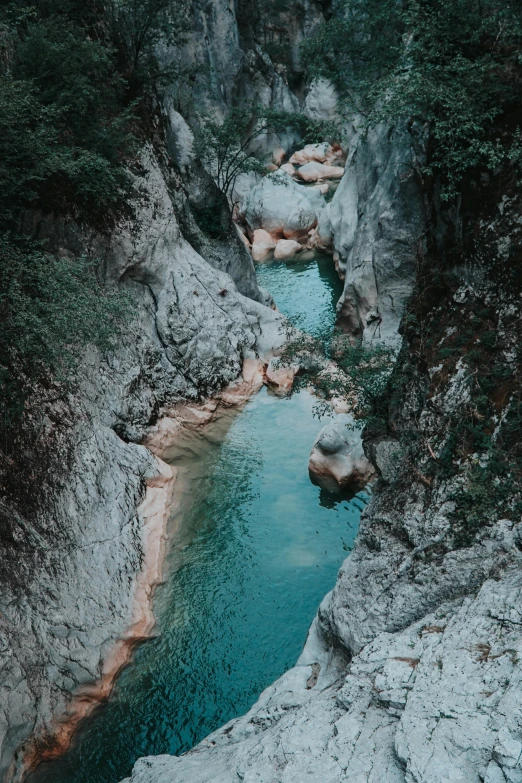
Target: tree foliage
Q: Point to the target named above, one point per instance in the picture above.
(68, 127)
(138, 26)
(455, 64)
(226, 146)
(49, 307)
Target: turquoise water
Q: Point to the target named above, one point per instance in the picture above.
(306, 291)
(255, 548)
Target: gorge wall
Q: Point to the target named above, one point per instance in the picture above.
(412, 668)
(72, 573)
(412, 671)
(414, 615)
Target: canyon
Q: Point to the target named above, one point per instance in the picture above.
(411, 669)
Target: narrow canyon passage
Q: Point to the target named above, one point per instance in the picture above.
(255, 547)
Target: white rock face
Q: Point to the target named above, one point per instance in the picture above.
(288, 168)
(437, 700)
(337, 461)
(322, 101)
(192, 332)
(378, 221)
(283, 208)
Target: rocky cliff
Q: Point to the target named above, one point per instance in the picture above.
(412, 667)
(91, 553)
(411, 671)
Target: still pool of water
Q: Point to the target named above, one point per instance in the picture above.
(255, 547)
(305, 291)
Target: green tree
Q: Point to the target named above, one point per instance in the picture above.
(66, 134)
(225, 147)
(50, 309)
(139, 25)
(453, 64)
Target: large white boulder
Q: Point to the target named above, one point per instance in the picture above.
(283, 208)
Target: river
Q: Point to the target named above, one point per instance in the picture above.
(254, 548)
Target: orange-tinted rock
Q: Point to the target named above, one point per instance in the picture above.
(262, 245)
(286, 248)
(311, 172)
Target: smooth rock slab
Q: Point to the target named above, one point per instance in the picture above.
(322, 153)
(313, 171)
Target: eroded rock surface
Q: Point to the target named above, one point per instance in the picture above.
(282, 208)
(427, 608)
(72, 594)
(378, 221)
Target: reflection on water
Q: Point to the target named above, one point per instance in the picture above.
(256, 548)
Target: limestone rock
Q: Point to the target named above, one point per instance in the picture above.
(71, 599)
(281, 207)
(263, 244)
(322, 101)
(378, 219)
(286, 249)
(337, 461)
(322, 153)
(313, 171)
(288, 168)
(278, 155)
(280, 378)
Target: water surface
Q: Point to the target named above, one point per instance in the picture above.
(255, 548)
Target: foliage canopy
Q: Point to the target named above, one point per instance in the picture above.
(455, 64)
(68, 124)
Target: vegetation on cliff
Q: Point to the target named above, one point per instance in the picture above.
(72, 79)
(452, 64)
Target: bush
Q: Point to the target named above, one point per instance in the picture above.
(67, 131)
(50, 309)
(226, 146)
(454, 64)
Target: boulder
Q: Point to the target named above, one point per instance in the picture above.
(263, 244)
(323, 188)
(280, 378)
(337, 461)
(278, 155)
(321, 237)
(322, 153)
(288, 168)
(286, 248)
(313, 171)
(283, 208)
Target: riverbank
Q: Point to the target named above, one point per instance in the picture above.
(296, 518)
